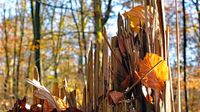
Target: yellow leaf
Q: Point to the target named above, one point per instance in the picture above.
(136, 16)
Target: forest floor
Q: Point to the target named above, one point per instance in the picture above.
(192, 85)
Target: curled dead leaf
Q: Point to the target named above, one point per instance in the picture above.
(115, 97)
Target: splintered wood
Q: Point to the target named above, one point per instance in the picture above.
(120, 84)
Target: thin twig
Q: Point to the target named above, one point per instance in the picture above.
(178, 60)
(105, 38)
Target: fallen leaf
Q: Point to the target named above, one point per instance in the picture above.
(43, 93)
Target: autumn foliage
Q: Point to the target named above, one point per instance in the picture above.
(158, 76)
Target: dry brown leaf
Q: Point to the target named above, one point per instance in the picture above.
(43, 93)
(115, 97)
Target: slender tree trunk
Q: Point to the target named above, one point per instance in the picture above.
(83, 32)
(58, 44)
(15, 54)
(37, 39)
(178, 61)
(79, 38)
(36, 30)
(197, 8)
(184, 54)
(98, 20)
(22, 18)
(53, 42)
(6, 54)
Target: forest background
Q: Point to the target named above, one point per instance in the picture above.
(59, 41)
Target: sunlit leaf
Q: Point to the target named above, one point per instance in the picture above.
(137, 17)
(158, 76)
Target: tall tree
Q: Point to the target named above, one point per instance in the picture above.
(35, 12)
(99, 22)
(184, 54)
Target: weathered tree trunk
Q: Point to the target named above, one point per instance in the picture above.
(90, 81)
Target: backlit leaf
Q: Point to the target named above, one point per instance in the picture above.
(137, 17)
(158, 76)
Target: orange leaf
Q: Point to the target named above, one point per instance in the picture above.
(156, 78)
